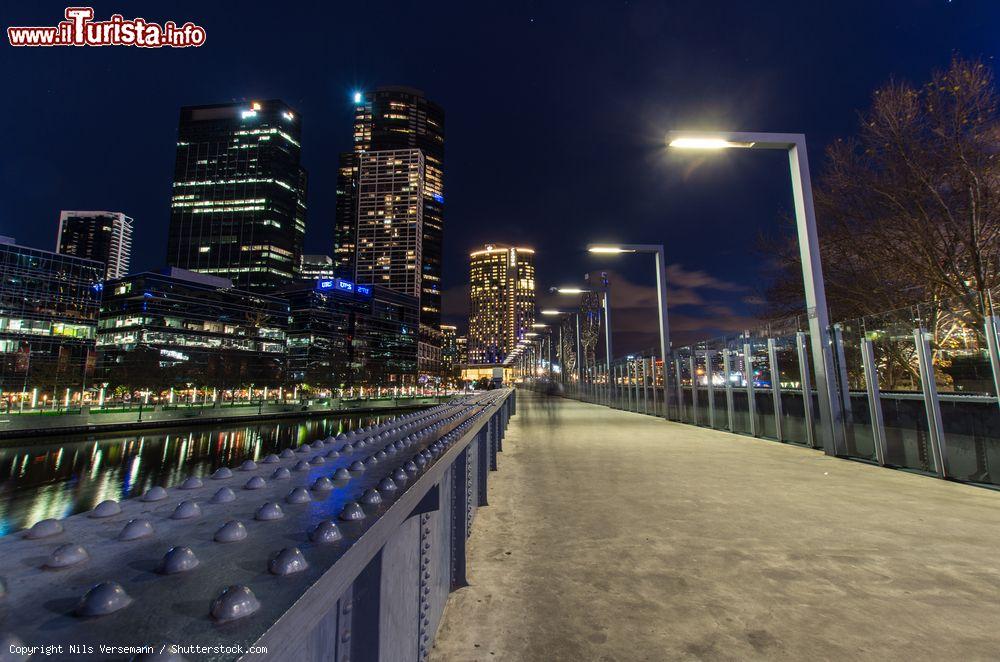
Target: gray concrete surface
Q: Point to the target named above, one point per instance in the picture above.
(616, 536)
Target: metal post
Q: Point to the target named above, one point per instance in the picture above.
(627, 385)
(772, 359)
(874, 399)
(652, 371)
(661, 306)
(991, 346)
(710, 388)
(579, 356)
(645, 388)
(635, 383)
(751, 402)
(932, 404)
(692, 370)
(800, 346)
(680, 389)
(837, 336)
(727, 368)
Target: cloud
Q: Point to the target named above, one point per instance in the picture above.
(679, 276)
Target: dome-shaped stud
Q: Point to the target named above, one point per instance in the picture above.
(281, 473)
(286, 453)
(155, 494)
(298, 495)
(287, 562)
(268, 512)
(400, 477)
(231, 531)
(104, 598)
(381, 455)
(270, 459)
(325, 532)
(67, 555)
(399, 445)
(420, 460)
(192, 483)
(178, 559)
(411, 467)
(223, 495)
(301, 465)
(322, 484)
(222, 473)
(248, 465)
(389, 449)
(255, 483)
(341, 437)
(371, 498)
(318, 444)
(319, 459)
(387, 485)
(352, 511)
(233, 603)
(357, 465)
(136, 529)
(332, 455)
(304, 448)
(348, 448)
(342, 474)
(108, 508)
(186, 510)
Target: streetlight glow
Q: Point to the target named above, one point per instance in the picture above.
(552, 312)
(609, 249)
(707, 143)
(569, 290)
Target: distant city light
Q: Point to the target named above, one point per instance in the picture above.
(358, 97)
(249, 113)
(255, 105)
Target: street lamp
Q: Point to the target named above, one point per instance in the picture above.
(606, 304)
(812, 269)
(661, 299)
(579, 363)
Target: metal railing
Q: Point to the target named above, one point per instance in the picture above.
(343, 548)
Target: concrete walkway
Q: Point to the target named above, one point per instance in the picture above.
(616, 536)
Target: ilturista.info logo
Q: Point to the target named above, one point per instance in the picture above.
(80, 29)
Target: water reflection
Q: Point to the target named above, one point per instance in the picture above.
(72, 474)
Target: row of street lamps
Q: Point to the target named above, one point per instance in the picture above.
(831, 416)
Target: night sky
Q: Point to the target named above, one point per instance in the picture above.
(555, 121)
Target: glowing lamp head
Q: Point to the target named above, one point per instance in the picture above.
(358, 97)
(707, 142)
(609, 249)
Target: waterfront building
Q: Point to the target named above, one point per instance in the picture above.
(343, 334)
(49, 306)
(238, 209)
(502, 301)
(103, 236)
(178, 328)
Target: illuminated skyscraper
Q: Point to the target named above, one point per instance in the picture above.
(239, 198)
(104, 236)
(394, 124)
(502, 292)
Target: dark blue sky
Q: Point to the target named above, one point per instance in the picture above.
(555, 118)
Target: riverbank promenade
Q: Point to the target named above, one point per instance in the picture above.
(619, 536)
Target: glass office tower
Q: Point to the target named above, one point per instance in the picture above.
(49, 305)
(239, 199)
(104, 236)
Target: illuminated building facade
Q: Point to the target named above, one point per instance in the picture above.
(450, 362)
(502, 297)
(180, 327)
(239, 198)
(402, 121)
(104, 236)
(341, 334)
(315, 267)
(49, 305)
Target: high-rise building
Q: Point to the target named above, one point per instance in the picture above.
(316, 266)
(239, 198)
(449, 350)
(179, 327)
(104, 236)
(502, 293)
(49, 305)
(401, 121)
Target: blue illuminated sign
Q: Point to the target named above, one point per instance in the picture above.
(342, 285)
(364, 290)
(438, 197)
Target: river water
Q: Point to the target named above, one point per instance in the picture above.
(60, 476)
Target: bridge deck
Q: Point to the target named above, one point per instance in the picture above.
(616, 536)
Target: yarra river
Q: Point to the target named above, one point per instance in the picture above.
(60, 476)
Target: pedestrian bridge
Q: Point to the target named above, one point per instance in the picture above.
(619, 536)
(609, 535)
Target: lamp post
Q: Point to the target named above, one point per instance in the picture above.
(579, 363)
(661, 300)
(812, 269)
